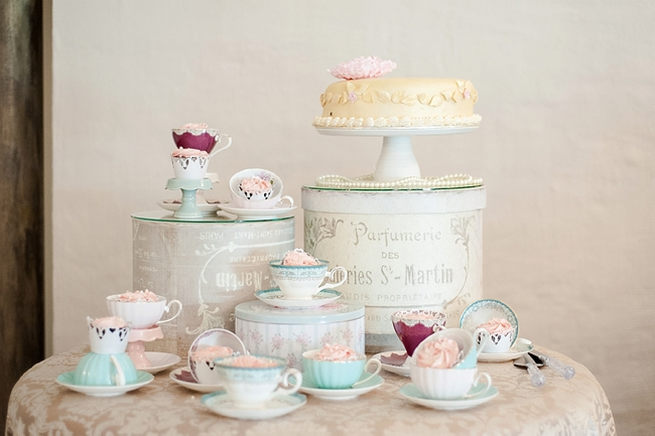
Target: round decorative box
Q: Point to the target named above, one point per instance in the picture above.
(209, 264)
(287, 333)
(402, 249)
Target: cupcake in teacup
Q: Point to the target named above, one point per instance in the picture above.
(501, 335)
(257, 188)
(203, 368)
(200, 136)
(336, 366)
(412, 326)
(300, 275)
(190, 164)
(142, 309)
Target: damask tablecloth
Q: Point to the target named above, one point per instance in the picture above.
(38, 405)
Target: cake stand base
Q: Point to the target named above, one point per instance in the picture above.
(188, 209)
(136, 348)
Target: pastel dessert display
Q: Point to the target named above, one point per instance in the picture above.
(500, 332)
(364, 99)
(336, 366)
(189, 163)
(436, 373)
(414, 325)
(199, 136)
(107, 364)
(203, 358)
(257, 188)
(142, 309)
(251, 380)
(303, 281)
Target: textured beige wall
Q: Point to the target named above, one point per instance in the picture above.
(566, 145)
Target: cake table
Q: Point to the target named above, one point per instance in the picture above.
(38, 405)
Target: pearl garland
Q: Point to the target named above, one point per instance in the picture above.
(368, 182)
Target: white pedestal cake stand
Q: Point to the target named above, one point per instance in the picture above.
(396, 160)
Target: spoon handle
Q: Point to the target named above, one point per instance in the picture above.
(564, 370)
(536, 377)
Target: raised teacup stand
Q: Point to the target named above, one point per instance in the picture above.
(136, 347)
(189, 187)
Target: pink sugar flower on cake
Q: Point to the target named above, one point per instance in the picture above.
(336, 352)
(440, 353)
(299, 257)
(363, 67)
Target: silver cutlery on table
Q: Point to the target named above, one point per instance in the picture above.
(564, 370)
(536, 377)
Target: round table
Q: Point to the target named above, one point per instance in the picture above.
(576, 406)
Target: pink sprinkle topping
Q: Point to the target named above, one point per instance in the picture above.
(139, 296)
(336, 352)
(255, 185)
(497, 325)
(299, 257)
(248, 361)
(188, 152)
(109, 322)
(440, 353)
(363, 67)
(195, 126)
(210, 352)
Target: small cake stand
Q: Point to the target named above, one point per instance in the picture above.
(397, 160)
(189, 187)
(136, 348)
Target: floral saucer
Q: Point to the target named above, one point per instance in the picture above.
(384, 357)
(520, 347)
(220, 403)
(67, 380)
(275, 297)
(160, 361)
(183, 377)
(309, 387)
(478, 396)
(258, 214)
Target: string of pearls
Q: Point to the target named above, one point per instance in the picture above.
(412, 182)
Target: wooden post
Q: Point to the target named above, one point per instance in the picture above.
(21, 192)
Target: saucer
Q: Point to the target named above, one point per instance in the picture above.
(66, 380)
(160, 361)
(206, 209)
(258, 214)
(520, 347)
(411, 392)
(220, 403)
(274, 297)
(183, 377)
(309, 387)
(396, 369)
(482, 311)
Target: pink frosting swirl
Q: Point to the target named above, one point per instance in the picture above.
(497, 325)
(440, 353)
(195, 126)
(109, 322)
(336, 352)
(139, 296)
(210, 352)
(299, 257)
(188, 152)
(363, 67)
(255, 185)
(248, 361)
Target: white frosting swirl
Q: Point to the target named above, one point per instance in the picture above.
(497, 325)
(440, 353)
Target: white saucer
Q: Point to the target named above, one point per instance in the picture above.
(176, 375)
(411, 392)
(66, 380)
(274, 297)
(400, 370)
(207, 209)
(520, 347)
(160, 361)
(258, 214)
(220, 402)
(308, 387)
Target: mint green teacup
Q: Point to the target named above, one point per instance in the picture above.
(337, 374)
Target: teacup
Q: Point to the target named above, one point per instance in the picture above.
(189, 164)
(305, 281)
(251, 380)
(257, 188)
(447, 384)
(414, 325)
(498, 340)
(142, 314)
(200, 137)
(337, 374)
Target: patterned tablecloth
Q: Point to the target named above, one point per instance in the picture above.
(38, 405)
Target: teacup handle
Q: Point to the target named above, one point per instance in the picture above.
(285, 201)
(219, 139)
(168, 308)
(120, 375)
(330, 275)
(487, 379)
(297, 375)
(378, 367)
(481, 337)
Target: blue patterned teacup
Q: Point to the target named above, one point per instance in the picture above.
(305, 281)
(337, 374)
